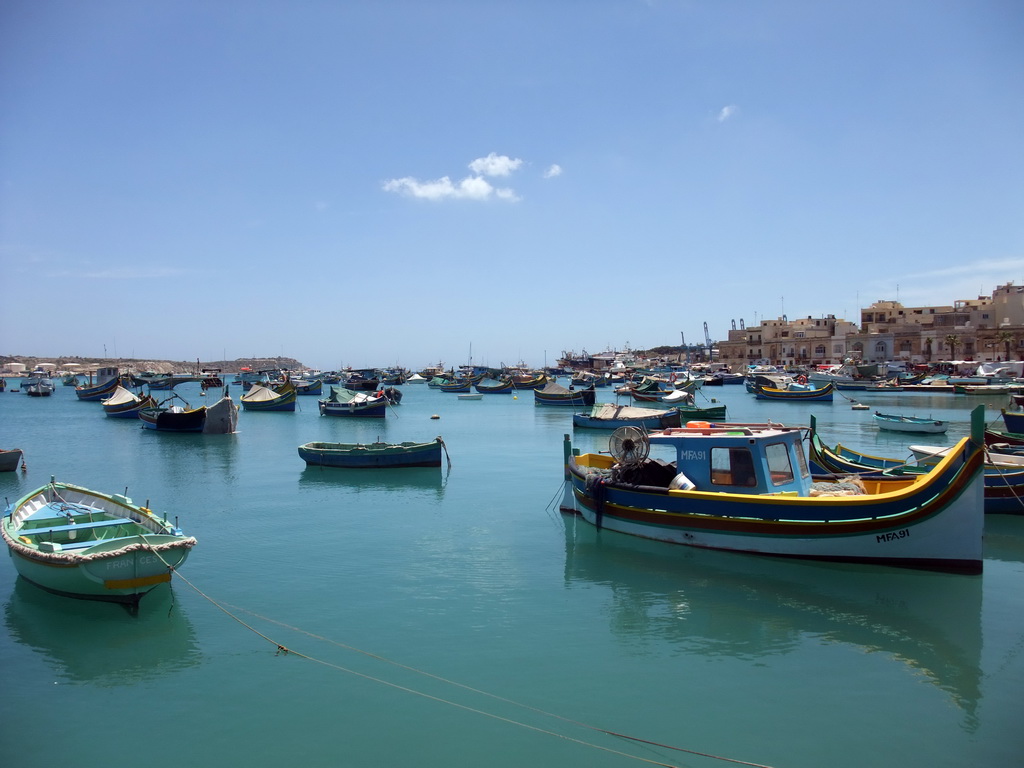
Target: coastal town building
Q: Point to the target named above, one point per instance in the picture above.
(985, 329)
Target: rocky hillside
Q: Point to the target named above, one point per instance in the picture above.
(160, 366)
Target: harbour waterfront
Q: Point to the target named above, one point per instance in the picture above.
(369, 578)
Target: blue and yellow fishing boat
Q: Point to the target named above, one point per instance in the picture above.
(748, 488)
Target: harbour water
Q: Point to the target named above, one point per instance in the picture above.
(454, 618)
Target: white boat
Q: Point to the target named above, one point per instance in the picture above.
(896, 423)
(933, 454)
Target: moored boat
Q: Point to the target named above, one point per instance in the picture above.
(173, 418)
(896, 423)
(107, 380)
(260, 398)
(611, 416)
(1004, 486)
(124, 404)
(556, 394)
(10, 459)
(81, 543)
(346, 402)
(748, 488)
(373, 455)
(799, 393)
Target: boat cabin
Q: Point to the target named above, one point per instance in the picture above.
(736, 458)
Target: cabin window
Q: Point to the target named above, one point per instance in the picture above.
(732, 466)
(801, 461)
(779, 468)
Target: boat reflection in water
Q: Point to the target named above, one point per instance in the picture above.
(429, 481)
(751, 607)
(100, 643)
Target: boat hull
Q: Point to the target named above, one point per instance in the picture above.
(111, 550)
(935, 526)
(372, 455)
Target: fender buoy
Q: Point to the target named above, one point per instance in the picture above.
(801, 379)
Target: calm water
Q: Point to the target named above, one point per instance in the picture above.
(472, 576)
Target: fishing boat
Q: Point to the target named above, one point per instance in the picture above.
(748, 488)
(221, 417)
(526, 381)
(81, 543)
(373, 455)
(346, 402)
(1004, 486)
(10, 459)
(455, 385)
(611, 416)
(41, 388)
(494, 387)
(125, 404)
(470, 396)
(801, 393)
(311, 387)
(556, 394)
(895, 423)
(107, 380)
(261, 398)
(172, 417)
(1014, 422)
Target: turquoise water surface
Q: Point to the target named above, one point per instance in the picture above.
(455, 618)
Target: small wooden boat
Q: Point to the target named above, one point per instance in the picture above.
(373, 455)
(346, 402)
(260, 398)
(1014, 422)
(312, 387)
(896, 423)
(748, 488)
(556, 394)
(11, 459)
(492, 387)
(96, 546)
(470, 396)
(611, 416)
(173, 418)
(799, 393)
(524, 381)
(107, 380)
(1004, 486)
(124, 404)
(456, 385)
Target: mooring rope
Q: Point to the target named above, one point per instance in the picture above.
(285, 650)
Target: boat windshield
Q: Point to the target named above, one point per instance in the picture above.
(732, 466)
(779, 467)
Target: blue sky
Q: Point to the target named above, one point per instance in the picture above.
(378, 183)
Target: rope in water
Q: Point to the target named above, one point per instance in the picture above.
(285, 650)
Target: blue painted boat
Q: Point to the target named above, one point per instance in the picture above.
(107, 380)
(896, 423)
(748, 488)
(377, 455)
(799, 393)
(556, 394)
(611, 416)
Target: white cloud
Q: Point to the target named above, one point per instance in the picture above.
(554, 170)
(474, 187)
(495, 165)
(727, 112)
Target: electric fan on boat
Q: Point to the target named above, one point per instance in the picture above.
(629, 446)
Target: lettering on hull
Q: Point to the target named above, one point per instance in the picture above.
(884, 538)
